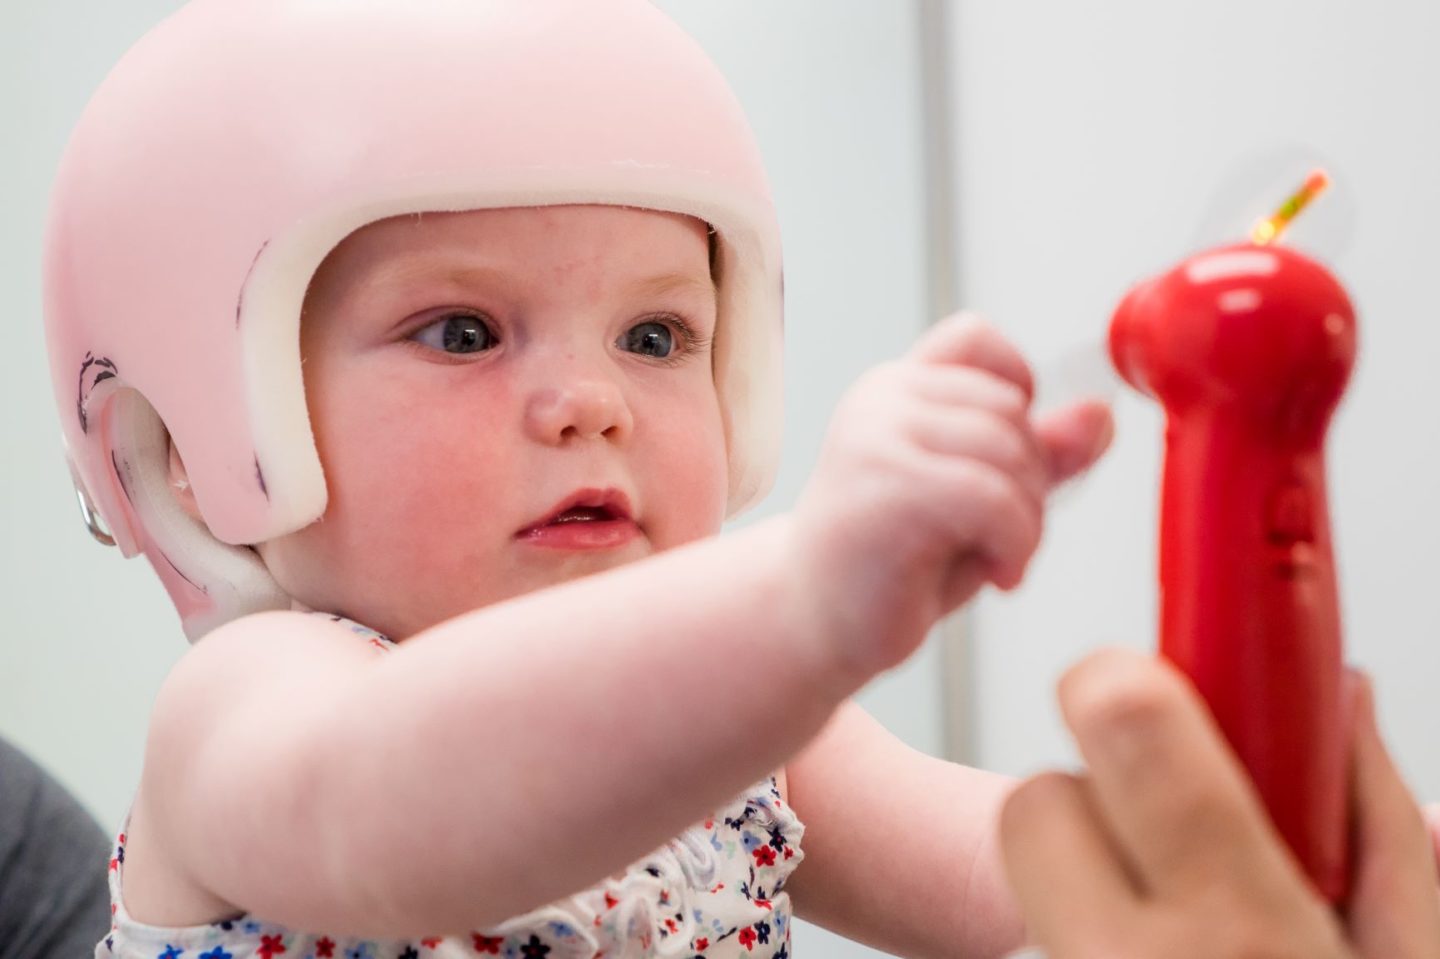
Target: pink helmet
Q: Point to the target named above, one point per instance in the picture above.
(241, 140)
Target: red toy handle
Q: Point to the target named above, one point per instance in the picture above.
(1249, 348)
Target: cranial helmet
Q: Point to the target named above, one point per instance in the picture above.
(241, 140)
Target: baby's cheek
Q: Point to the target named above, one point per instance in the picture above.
(437, 543)
(687, 471)
(444, 491)
(428, 481)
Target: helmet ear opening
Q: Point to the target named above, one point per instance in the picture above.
(210, 582)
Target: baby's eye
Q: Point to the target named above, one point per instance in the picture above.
(457, 333)
(651, 338)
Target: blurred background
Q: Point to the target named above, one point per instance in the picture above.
(1027, 158)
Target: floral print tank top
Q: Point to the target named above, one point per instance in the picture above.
(714, 892)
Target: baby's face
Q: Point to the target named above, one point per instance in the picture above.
(504, 400)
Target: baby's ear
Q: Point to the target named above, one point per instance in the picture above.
(179, 482)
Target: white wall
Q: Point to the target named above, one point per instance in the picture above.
(88, 636)
(1091, 138)
(833, 91)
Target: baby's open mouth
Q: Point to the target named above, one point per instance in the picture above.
(585, 507)
(583, 514)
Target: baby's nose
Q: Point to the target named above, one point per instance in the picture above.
(588, 409)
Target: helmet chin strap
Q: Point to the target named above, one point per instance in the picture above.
(210, 582)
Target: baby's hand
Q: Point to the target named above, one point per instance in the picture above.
(932, 482)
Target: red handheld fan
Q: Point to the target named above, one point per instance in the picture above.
(1248, 349)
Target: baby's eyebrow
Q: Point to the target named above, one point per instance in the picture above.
(420, 270)
(413, 270)
(669, 283)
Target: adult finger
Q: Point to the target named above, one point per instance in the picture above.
(1394, 911)
(1168, 788)
(1070, 882)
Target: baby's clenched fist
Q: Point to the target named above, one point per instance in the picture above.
(932, 481)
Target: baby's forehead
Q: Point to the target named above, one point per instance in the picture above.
(551, 242)
(509, 225)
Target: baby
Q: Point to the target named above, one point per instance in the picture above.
(423, 348)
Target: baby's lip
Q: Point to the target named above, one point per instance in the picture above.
(604, 504)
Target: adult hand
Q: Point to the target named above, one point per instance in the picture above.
(1162, 848)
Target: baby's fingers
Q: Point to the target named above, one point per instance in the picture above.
(965, 339)
(1074, 437)
(978, 434)
(990, 511)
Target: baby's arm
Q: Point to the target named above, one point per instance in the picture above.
(494, 763)
(523, 751)
(901, 849)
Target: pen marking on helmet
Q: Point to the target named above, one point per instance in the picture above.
(240, 300)
(120, 475)
(183, 576)
(782, 298)
(260, 478)
(105, 370)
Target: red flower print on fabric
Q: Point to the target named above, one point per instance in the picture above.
(747, 938)
(325, 948)
(486, 944)
(271, 946)
(764, 856)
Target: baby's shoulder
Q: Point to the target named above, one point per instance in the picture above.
(273, 647)
(229, 709)
(246, 669)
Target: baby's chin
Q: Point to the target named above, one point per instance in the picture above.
(535, 572)
(519, 579)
